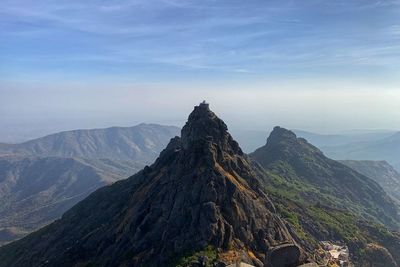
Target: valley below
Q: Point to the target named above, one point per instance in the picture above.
(42, 178)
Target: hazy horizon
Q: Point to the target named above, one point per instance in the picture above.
(317, 65)
(244, 111)
(19, 132)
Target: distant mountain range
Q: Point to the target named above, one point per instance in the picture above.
(42, 178)
(322, 140)
(138, 143)
(251, 140)
(383, 149)
(206, 203)
(35, 191)
(380, 171)
(374, 145)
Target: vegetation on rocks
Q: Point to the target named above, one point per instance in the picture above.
(323, 199)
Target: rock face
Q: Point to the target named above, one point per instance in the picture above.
(283, 255)
(202, 191)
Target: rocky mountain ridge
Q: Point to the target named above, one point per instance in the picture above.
(325, 200)
(201, 192)
(284, 151)
(206, 203)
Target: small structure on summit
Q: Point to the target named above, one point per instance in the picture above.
(204, 104)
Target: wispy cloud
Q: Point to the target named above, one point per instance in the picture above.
(155, 37)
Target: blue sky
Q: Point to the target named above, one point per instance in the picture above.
(155, 41)
(56, 50)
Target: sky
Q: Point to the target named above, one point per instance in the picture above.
(318, 65)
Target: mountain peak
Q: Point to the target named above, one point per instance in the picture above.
(201, 192)
(283, 144)
(279, 134)
(204, 127)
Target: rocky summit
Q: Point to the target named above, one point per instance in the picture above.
(294, 159)
(325, 200)
(200, 204)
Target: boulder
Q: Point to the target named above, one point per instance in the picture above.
(285, 255)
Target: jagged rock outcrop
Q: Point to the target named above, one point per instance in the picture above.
(283, 255)
(201, 192)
